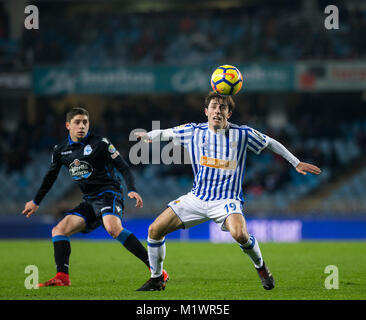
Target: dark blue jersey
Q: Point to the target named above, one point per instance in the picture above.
(92, 164)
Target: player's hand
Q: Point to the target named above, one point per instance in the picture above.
(135, 195)
(30, 208)
(143, 136)
(304, 167)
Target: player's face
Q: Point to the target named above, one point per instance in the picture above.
(78, 127)
(217, 114)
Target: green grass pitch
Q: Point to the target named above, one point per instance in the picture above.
(198, 271)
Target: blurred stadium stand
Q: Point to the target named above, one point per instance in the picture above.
(120, 34)
(350, 195)
(326, 127)
(164, 32)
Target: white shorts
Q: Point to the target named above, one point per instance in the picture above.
(193, 211)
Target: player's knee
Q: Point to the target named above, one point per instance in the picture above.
(114, 234)
(113, 231)
(154, 232)
(58, 231)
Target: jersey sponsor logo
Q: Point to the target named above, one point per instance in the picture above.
(66, 152)
(88, 150)
(118, 208)
(218, 163)
(80, 169)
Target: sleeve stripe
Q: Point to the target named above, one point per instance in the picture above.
(257, 142)
(252, 146)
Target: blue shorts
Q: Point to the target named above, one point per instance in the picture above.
(92, 209)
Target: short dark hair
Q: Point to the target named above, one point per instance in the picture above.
(225, 99)
(76, 111)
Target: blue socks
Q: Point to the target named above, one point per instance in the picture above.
(122, 237)
(132, 244)
(62, 251)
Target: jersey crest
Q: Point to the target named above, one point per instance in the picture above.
(88, 150)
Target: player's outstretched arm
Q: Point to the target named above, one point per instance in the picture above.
(304, 168)
(157, 135)
(301, 167)
(30, 208)
(47, 183)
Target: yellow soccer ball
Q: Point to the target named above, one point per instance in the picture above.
(226, 80)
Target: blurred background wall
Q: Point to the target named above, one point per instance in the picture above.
(132, 62)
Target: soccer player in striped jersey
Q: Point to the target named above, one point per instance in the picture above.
(217, 150)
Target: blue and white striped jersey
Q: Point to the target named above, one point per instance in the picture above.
(218, 159)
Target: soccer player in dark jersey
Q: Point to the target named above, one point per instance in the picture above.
(91, 161)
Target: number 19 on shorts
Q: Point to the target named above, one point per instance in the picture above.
(231, 208)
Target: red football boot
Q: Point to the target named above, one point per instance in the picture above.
(61, 279)
(165, 275)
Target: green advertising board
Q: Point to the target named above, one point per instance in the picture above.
(133, 80)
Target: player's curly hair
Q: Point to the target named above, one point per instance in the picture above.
(76, 111)
(225, 99)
